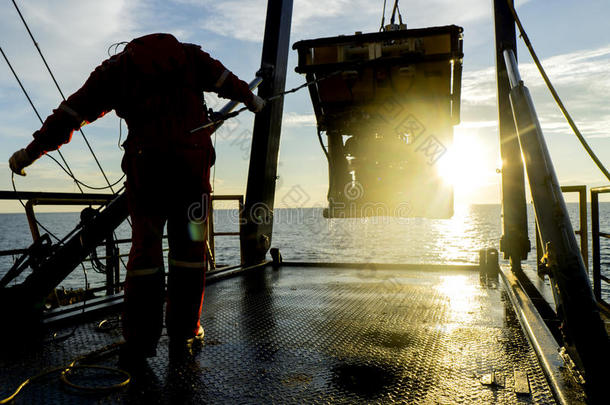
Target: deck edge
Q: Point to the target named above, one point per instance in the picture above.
(542, 341)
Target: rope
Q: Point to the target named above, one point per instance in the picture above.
(551, 88)
(54, 339)
(67, 370)
(61, 93)
(77, 181)
(116, 47)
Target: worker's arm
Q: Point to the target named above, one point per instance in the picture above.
(217, 78)
(89, 103)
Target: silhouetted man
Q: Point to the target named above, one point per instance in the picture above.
(156, 84)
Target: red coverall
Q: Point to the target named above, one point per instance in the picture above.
(156, 84)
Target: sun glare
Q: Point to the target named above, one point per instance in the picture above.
(462, 296)
(466, 166)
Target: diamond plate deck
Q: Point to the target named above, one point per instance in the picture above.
(321, 335)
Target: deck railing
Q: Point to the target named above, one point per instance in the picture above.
(596, 234)
(212, 234)
(112, 257)
(582, 232)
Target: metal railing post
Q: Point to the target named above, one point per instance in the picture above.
(539, 251)
(110, 284)
(584, 226)
(583, 230)
(257, 230)
(597, 285)
(212, 231)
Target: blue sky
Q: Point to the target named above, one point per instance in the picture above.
(571, 38)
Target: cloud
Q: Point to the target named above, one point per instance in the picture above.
(293, 119)
(74, 35)
(244, 20)
(581, 78)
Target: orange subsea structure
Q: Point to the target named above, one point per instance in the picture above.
(387, 102)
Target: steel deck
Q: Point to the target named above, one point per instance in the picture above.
(320, 335)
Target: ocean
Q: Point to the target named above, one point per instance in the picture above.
(302, 234)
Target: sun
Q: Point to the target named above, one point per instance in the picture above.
(467, 166)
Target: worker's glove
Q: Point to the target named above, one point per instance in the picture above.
(256, 105)
(19, 161)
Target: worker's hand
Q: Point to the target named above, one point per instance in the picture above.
(19, 161)
(256, 105)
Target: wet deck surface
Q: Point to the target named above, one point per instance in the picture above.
(320, 335)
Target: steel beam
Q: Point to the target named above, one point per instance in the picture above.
(514, 243)
(29, 195)
(583, 329)
(262, 174)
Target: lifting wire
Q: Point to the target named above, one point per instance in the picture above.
(382, 17)
(68, 171)
(551, 88)
(36, 112)
(394, 13)
(322, 144)
(62, 94)
(274, 97)
(109, 186)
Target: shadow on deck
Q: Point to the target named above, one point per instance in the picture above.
(321, 334)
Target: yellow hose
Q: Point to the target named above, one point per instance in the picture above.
(66, 370)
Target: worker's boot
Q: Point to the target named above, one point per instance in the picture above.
(196, 342)
(185, 348)
(132, 357)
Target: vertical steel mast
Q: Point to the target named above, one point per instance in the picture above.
(514, 243)
(257, 230)
(584, 334)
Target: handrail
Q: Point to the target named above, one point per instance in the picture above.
(29, 208)
(112, 252)
(583, 232)
(28, 195)
(595, 240)
(212, 233)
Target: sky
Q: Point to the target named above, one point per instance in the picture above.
(570, 37)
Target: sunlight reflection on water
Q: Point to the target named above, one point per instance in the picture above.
(305, 235)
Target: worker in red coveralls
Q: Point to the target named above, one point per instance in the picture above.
(156, 84)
